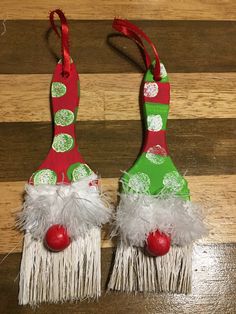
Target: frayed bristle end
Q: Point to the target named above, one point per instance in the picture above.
(71, 275)
(135, 271)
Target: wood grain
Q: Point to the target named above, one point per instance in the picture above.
(193, 95)
(29, 47)
(213, 290)
(198, 146)
(196, 41)
(139, 9)
(216, 193)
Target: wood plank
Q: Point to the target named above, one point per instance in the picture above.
(216, 193)
(139, 9)
(198, 146)
(29, 46)
(213, 289)
(193, 95)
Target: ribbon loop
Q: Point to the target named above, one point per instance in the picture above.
(65, 51)
(132, 31)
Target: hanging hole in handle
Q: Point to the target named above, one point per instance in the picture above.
(65, 74)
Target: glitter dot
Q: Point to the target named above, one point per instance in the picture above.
(150, 89)
(81, 171)
(62, 142)
(163, 70)
(58, 89)
(154, 123)
(64, 117)
(156, 154)
(139, 182)
(45, 176)
(173, 181)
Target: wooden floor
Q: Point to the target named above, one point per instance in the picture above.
(196, 41)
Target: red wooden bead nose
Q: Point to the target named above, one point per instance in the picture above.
(57, 238)
(158, 243)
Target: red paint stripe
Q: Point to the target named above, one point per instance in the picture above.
(155, 138)
(57, 161)
(71, 99)
(163, 95)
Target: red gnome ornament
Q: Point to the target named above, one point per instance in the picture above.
(63, 210)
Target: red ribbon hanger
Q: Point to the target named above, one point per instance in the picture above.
(132, 31)
(64, 40)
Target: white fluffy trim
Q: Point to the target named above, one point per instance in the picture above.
(138, 215)
(77, 206)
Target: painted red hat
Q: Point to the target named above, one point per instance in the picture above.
(63, 209)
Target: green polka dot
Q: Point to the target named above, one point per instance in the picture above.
(78, 170)
(81, 171)
(62, 142)
(45, 176)
(64, 117)
(58, 89)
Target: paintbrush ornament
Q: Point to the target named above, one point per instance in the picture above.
(155, 220)
(63, 210)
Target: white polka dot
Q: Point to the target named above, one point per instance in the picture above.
(139, 182)
(163, 70)
(156, 155)
(173, 181)
(154, 123)
(150, 89)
